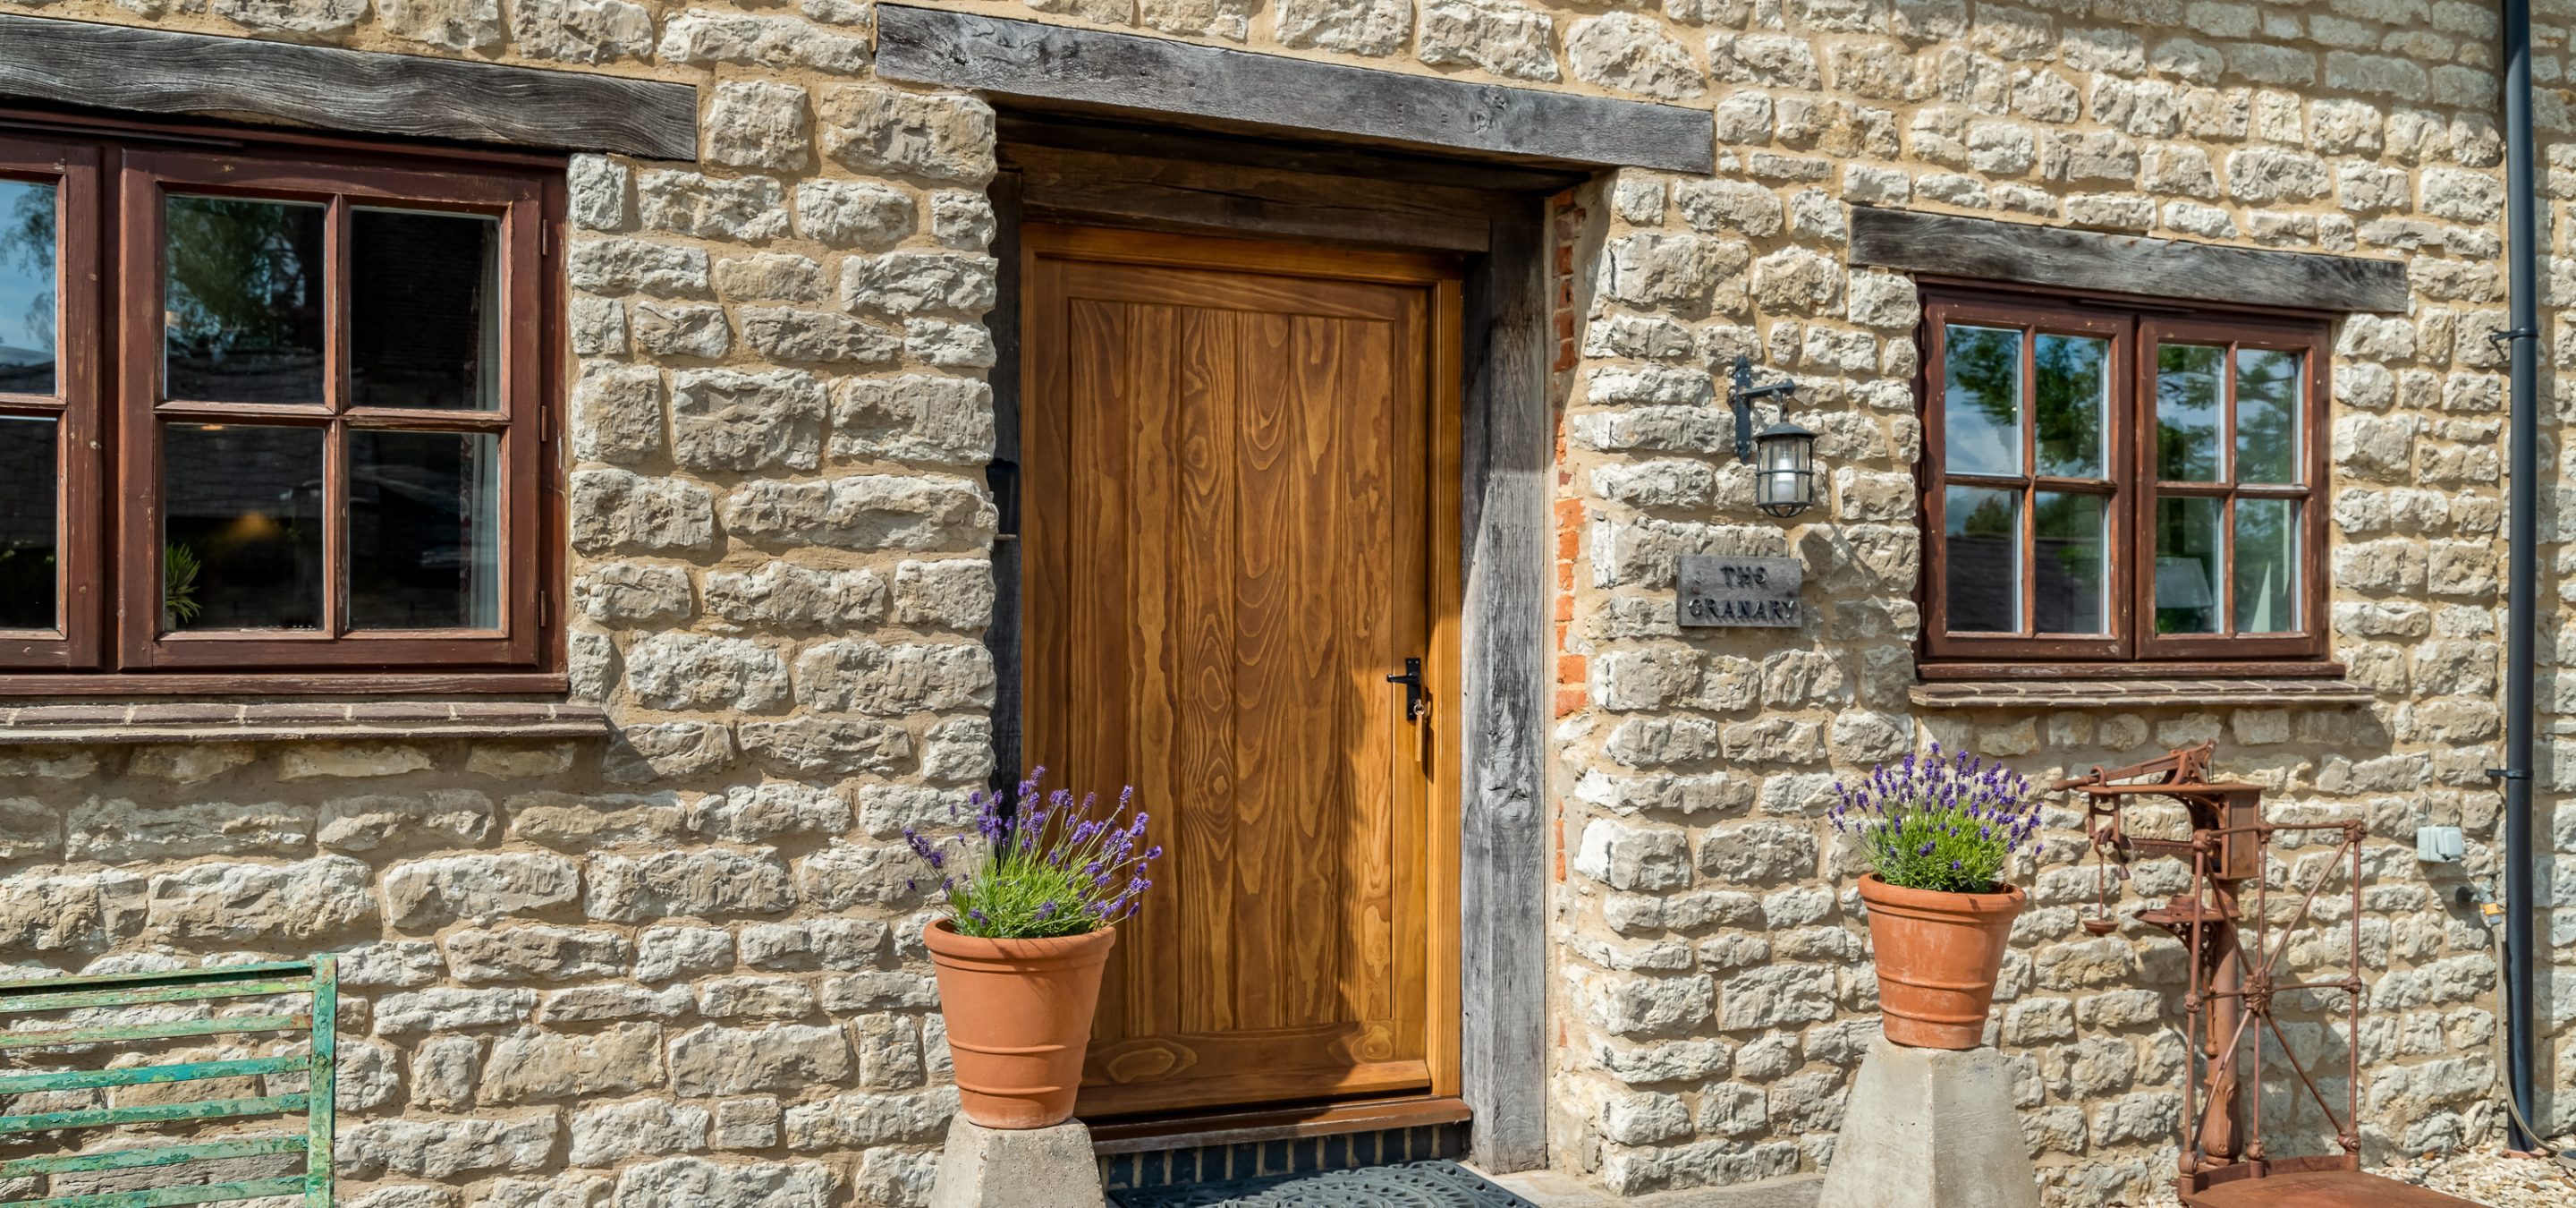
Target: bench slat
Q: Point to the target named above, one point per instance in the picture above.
(211, 1193)
(154, 1113)
(113, 1033)
(152, 1075)
(135, 1159)
(132, 998)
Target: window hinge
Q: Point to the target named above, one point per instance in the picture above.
(545, 239)
(545, 609)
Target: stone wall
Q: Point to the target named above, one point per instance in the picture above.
(700, 993)
(679, 967)
(1711, 971)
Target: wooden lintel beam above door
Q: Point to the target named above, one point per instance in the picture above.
(1249, 92)
(1147, 140)
(1087, 186)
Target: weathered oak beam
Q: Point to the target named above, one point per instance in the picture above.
(1131, 74)
(1509, 450)
(1145, 140)
(346, 91)
(1088, 186)
(2021, 253)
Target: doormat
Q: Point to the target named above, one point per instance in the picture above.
(1435, 1184)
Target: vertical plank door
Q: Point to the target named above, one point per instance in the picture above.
(1231, 462)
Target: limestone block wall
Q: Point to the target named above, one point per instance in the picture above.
(1712, 970)
(680, 966)
(548, 978)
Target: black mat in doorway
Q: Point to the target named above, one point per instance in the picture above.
(1435, 1184)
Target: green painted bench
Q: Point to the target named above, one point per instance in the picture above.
(32, 1030)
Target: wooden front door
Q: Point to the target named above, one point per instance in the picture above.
(1239, 520)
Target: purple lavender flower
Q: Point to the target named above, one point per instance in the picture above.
(1939, 819)
(1053, 862)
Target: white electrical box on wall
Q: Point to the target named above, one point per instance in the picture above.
(2440, 844)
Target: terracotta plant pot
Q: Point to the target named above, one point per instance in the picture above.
(1019, 1018)
(1937, 955)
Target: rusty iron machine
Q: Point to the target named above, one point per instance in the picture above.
(2236, 974)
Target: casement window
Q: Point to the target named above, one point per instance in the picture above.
(2121, 486)
(271, 409)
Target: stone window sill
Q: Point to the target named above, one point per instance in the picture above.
(294, 721)
(2138, 693)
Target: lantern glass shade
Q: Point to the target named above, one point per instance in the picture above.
(1784, 479)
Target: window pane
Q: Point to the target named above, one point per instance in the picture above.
(28, 527)
(2187, 561)
(2267, 415)
(424, 530)
(2189, 395)
(2074, 378)
(1981, 417)
(1983, 570)
(424, 329)
(2070, 562)
(26, 288)
(2267, 565)
(243, 527)
(244, 306)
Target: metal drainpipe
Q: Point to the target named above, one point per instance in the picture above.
(2522, 567)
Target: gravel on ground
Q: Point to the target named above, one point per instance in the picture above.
(2490, 1176)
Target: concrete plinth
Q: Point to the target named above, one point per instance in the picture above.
(1017, 1168)
(1931, 1128)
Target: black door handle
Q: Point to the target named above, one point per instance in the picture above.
(1414, 697)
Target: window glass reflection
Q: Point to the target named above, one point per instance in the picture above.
(30, 532)
(242, 531)
(2072, 562)
(1981, 408)
(2074, 386)
(27, 274)
(2190, 395)
(243, 302)
(424, 322)
(424, 530)
(2267, 565)
(2267, 415)
(2188, 558)
(1983, 530)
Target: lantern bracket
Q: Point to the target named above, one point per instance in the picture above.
(1741, 393)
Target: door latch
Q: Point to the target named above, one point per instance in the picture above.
(1414, 697)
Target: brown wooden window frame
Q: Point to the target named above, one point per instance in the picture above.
(2135, 328)
(111, 179)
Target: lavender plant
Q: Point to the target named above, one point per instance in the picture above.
(1949, 823)
(1052, 865)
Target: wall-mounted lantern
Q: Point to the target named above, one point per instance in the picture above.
(1783, 455)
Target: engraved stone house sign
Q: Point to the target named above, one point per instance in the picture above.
(1730, 591)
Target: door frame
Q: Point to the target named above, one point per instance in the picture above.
(1501, 438)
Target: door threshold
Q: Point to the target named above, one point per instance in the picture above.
(1248, 1126)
